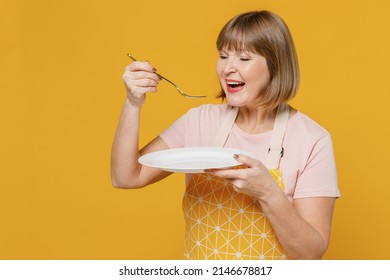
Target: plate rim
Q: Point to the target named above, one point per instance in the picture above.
(144, 157)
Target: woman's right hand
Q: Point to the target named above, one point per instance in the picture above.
(139, 78)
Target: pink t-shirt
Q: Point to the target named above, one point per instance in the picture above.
(308, 166)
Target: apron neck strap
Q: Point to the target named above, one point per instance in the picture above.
(224, 130)
(276, 149)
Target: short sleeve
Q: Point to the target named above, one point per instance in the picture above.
(174, 135)
(319, 177)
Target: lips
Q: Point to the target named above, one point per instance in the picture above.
(234, 85)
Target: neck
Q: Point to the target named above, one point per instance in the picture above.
(256, 120)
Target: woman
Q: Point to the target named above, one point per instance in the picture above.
(280, 211)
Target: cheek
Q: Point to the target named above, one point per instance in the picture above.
(219, 70)
(266, 74)
(262, 76)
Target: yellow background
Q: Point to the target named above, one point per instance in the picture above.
(61, 92)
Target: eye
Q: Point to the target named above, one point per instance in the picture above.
(245, 58)
(223, 56)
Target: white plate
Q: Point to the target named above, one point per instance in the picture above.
(192, 160)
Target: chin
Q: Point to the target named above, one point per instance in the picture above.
(235, 101)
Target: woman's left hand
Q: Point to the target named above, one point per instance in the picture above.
(255, 180)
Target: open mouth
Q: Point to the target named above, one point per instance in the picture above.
(235, 84)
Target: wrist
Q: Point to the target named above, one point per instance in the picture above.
(271, 192)
(134, 101)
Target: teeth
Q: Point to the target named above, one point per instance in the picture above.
(235, 84)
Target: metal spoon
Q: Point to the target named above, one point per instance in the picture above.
(177, 88)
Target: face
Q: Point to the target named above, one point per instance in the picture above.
(243, 77)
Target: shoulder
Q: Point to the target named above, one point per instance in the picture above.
(209, 112)
(211, 108)
(307, 128)
(305, 138)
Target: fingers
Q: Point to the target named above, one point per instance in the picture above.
(141, 72)
(140, 66)
(237, 173)
(141, 75)
(140, 78)
(254, 168)
(228, 173)
(250, 162)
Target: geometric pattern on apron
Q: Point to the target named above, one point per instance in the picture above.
(222, 224)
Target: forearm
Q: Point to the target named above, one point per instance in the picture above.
(125, 169)
(297, 236)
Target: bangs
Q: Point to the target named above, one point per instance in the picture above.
(238, 38)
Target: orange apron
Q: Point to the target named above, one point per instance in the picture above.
(222, 224)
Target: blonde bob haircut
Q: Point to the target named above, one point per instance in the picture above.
(266, 34)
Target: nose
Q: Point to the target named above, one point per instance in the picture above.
(230, 66)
